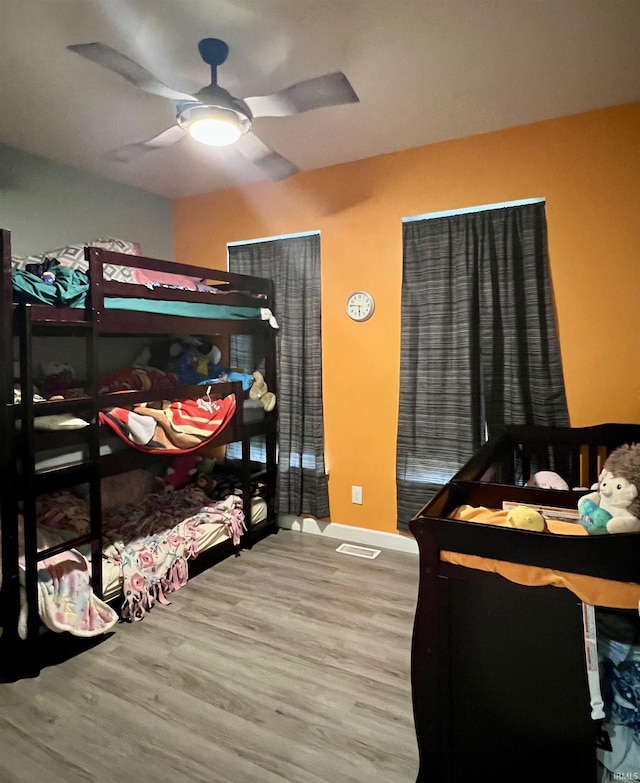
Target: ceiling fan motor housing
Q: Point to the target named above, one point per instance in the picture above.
(188, 113)
(215, 101)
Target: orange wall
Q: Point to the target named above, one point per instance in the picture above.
(586, 166)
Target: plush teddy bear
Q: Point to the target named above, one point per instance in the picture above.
(614, 507)
(260, 391)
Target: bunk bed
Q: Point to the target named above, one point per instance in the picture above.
(54, 514)
(499, 672)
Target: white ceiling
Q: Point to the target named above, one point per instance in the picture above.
(425, 71)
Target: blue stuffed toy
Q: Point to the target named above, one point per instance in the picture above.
(592, 517)
(196, 363)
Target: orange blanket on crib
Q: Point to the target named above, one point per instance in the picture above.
(590, 589)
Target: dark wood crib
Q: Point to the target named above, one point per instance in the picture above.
(498, 668)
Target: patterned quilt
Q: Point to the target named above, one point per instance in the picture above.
(145, 542)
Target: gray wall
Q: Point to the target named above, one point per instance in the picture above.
(47, 205)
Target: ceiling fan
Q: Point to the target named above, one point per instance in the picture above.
(214, 116)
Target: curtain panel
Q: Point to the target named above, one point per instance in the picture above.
(479, 345)
(294, 266)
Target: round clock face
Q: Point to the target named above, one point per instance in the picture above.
(360, 306)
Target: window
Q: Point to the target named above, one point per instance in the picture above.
(479, 346)
(293, 263)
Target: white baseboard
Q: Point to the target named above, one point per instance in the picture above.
(356, 535)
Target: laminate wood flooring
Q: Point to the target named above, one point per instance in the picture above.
(287, 664)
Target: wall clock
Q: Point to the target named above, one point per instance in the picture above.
(360, 306)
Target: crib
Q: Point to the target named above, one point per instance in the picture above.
(498, 667)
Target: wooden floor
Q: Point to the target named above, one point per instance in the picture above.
(288, 664)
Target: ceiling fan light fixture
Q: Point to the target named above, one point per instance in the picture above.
(214, 126)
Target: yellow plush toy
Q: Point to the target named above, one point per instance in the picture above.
(527, 519)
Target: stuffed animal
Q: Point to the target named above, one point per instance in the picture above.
(158, 354)
(59, 377)
(205, 479)
(614, 507)
(196, 362)
(260, 391)
(180, 472)
(61, 370)
(192, 359)
(547, 479)
(527, 519)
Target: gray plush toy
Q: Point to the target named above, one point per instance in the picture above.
(615, 505)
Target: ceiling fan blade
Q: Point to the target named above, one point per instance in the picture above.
(135, 74)
(273, 164)
(332, 89)
(164, 139)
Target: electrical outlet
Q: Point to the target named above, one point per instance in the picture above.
(356, 495)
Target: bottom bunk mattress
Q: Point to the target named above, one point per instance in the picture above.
(125, 565)
(146, 548)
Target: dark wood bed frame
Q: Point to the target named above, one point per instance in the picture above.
(498, 669)
(20, 482)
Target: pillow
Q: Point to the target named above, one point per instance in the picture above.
(69, 255)
(117, 246)
(73, 256)
(144, 277)
(20, 262)
(121, 274)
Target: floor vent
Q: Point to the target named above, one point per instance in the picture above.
(358, 551)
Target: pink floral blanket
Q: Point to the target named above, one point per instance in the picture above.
(152, 550)
(144, 540)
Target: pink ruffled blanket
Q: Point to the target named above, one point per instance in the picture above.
(66, 601)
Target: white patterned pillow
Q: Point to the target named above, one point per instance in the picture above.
(117, 245)
(122, 274)
(69, 255)
(19, 262)
(73, 256)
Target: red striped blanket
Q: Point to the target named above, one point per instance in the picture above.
(179, 426)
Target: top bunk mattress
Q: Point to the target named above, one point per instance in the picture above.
(71, 289)
(115, 277)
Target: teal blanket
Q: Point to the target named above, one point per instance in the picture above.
(71, 286)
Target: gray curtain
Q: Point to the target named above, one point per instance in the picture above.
(479, 346)
(294, 266)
